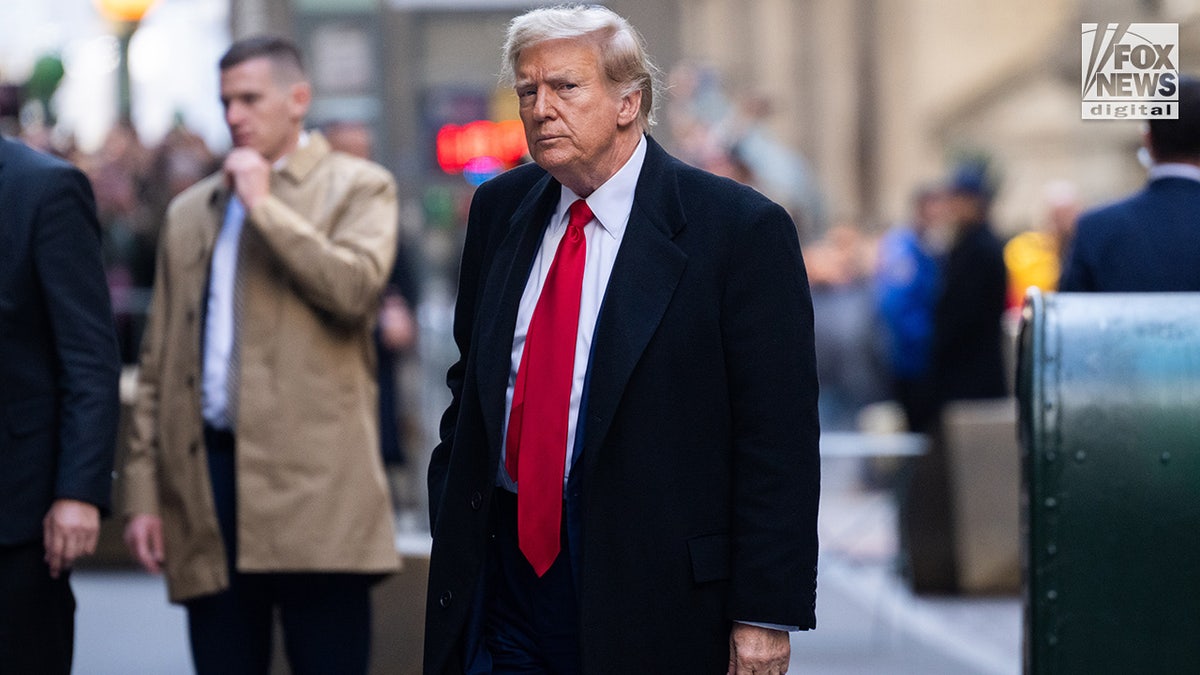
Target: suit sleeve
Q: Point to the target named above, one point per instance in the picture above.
(767, 327)
(343, 272)
(66, 250)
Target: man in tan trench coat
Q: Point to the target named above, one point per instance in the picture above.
(254, 477)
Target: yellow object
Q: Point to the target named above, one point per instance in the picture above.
(1032, 260)
(124, 10)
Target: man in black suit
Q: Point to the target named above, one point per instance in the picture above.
(637, 494)
(58, 401)
(966, 363)
(1149, 241)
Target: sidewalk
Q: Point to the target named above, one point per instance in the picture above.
(868, 621)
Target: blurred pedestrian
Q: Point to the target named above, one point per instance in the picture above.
(967, 357)
(1149, 241)
(396, 332)
(851, 355)
(907, 283)
(621, 490)
(254, 476)
(966, 362)
(180, 160)
(59, 405)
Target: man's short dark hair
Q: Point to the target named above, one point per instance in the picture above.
(283, 53)
(1173, 140)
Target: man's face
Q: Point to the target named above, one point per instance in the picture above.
(262, 113)
(932, 211)
(574, 118)
(966, 208)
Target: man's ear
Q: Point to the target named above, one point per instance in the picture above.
(631, 105)
(299, 98)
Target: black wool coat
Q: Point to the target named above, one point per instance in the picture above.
(693, 502)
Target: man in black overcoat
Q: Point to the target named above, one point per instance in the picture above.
(684, 474)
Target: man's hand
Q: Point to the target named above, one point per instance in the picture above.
(397, 329)
(69, 530)
(249, 175)
(758, 651)
(144, 538)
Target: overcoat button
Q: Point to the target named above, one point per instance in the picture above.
(476, 501)
(444, 601)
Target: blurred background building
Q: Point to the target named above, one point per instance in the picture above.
(835, 107)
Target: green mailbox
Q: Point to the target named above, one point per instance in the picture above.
(1109, 389)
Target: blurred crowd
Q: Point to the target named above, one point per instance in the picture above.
(133, 183)
(886, 295)
(876, 290)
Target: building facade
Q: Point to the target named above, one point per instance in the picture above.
(873, 96)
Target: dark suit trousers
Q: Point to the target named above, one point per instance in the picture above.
(37, 613)
(326, 617)
(531, 624)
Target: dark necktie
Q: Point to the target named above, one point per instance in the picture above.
(541, 407)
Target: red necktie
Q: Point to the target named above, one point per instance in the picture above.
(541, 407)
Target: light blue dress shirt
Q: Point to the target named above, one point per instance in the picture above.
(219, 319)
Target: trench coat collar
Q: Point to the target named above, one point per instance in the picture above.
(304, 159)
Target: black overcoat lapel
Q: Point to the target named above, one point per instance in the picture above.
(503, 288)
(645, 276)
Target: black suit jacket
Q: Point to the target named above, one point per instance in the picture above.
(1147, 242)
(59, 363)
(697, 486)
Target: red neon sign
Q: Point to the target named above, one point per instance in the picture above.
(458, 145)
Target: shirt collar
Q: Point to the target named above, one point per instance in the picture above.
(301, 143)
(1175, 170)
(612, 202)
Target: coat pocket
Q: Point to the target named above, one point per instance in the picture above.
(710, 557)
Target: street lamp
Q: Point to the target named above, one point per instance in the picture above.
(126, 14)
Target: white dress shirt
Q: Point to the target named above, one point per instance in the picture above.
(1175, 170)
(611, 204)
(219, 320)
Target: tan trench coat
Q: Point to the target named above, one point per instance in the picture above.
(311, 490)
